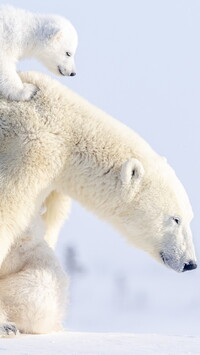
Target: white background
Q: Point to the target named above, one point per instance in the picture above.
(140, 62)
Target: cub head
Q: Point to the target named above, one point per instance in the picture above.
(59, 45)
(155, 213)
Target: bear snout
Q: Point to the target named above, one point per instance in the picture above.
(177, 264)
(64, 72)
(191, 265)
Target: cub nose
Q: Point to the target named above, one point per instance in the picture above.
(190, 266)
(72, 74)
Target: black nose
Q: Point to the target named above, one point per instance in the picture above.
(72, 74)
(190, 266)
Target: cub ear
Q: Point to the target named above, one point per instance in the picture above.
(131, 175)
(52, 34)
(57, 36)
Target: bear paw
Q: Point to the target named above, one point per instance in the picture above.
(28, 92)
(25, 94)
(8, 329)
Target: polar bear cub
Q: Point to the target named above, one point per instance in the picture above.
(32, 286)
(51, 39)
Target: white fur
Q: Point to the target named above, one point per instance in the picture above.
(60, 143)
(32, 286)
(24, 34)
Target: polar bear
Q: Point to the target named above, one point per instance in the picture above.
(51, 39)
(58, 145)
(32, 286)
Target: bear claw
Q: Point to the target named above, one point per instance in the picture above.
(8, 329)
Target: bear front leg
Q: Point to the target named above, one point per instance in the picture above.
(57, 210)
(15, 216)
(23, 189)
(11, 85)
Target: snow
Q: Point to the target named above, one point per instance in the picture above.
(73, 343)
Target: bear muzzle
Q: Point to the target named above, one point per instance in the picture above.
(174, 264)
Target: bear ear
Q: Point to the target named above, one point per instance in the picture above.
(131, 175)
(57, 36)
(52, 34)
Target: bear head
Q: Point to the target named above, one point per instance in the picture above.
(155, 213)
(58, 47)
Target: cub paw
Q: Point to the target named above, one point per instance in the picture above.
(28, 92)
(8, 329)
(25, 94)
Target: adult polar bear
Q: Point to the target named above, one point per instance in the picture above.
(58, 145)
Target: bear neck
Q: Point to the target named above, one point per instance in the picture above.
(99, 147)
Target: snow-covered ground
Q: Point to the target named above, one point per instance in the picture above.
(72, 343)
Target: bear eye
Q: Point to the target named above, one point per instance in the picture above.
(176, 220)
(68, 54)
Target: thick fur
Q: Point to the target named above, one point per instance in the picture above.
(51, 39)
(32, 286)
(59, 142)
